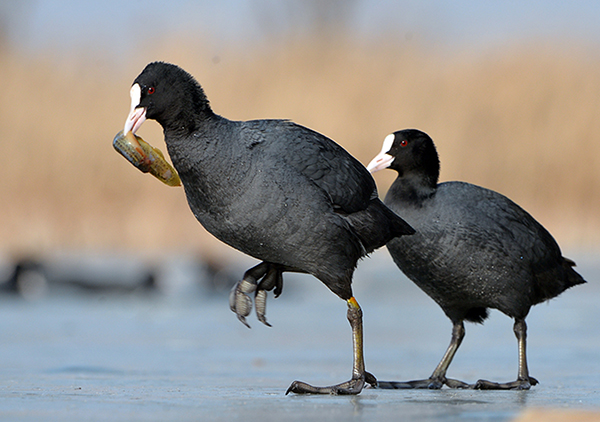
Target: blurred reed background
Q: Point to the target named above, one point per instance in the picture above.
(520, 117)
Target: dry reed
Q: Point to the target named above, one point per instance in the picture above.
(523, 121)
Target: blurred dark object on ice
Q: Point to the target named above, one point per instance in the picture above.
(112, 274)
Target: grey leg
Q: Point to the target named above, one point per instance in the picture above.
(524, 381)
(438, 378)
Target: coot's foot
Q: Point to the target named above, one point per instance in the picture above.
(430, 383)
(258, 280)
(273, 279)
(352, 387)
(240, 301)
(452, 383)
(519, 384)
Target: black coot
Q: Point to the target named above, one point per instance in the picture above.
(473, 249)
(274, 190)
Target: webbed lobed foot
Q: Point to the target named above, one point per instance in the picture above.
(240, 301)
(273, 279)
(258, 280)
(351, 387)
(519, 384)
(429, 383)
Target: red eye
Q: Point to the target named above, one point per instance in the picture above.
(403, 143)
(151, 90)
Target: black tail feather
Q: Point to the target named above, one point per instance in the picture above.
(573, 277)
(377, 225)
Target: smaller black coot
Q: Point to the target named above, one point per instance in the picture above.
(474, 249)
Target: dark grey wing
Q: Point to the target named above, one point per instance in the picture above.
(535, 242)
(330, 167)
(500, 227)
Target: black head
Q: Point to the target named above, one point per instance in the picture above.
(168, 94)
(409, 151)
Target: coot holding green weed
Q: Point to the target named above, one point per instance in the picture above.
(274, 190)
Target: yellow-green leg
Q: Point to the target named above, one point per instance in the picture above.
(359, 375)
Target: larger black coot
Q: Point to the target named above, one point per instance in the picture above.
(274, 190)
(474, 249)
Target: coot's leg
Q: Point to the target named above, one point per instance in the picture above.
(524, 381)
(438, 378)
(359, 375)
(239, 301)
